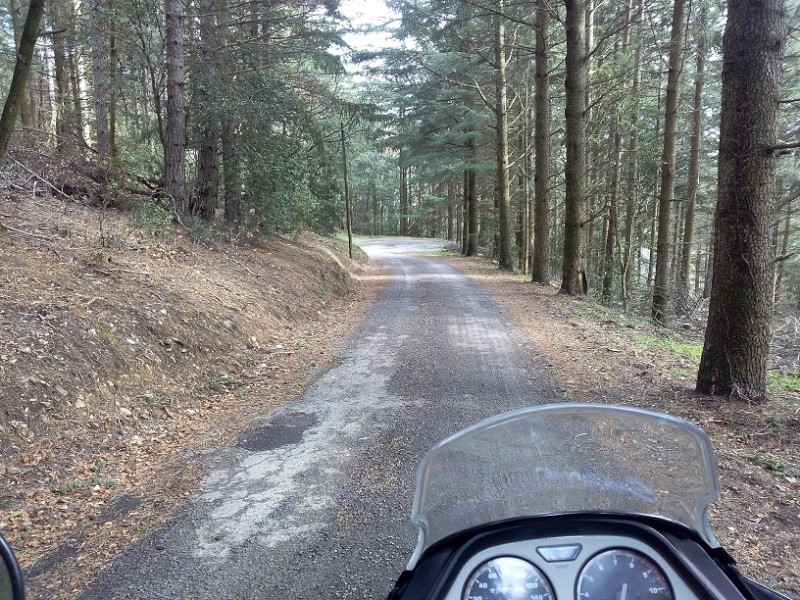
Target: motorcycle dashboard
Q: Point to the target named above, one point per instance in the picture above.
(572, 557)
(567, 568)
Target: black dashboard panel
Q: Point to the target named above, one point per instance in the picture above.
(560, 548)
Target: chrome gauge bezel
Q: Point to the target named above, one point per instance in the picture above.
(521, 563)
(637, 555)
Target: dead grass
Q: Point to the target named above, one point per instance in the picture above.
(124, 355)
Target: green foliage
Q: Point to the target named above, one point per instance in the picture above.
(97, 478)
(781, 381)
(219, 384)
(773, 463)
(109, 336)
(672, 342)
(153, 217)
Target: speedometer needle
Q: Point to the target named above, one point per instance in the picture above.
(624, 591)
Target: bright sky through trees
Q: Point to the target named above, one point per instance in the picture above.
(368, 13)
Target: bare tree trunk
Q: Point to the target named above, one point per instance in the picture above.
(61, 80)
(633, 169)
(175, 159)
(783, 253)
(611, 234)
(403, 197)
(376, 210)
(465, 202)
(99, 78)
(26, 111)
(113, 93)
(472, 200)
(505, 260)
(541, 179)
(347, 201)
(736, 347)
(205, 203)
(573, 276)
(661, 282)
(16, 92)
(77, 101)
(231, 165)
(682, 304)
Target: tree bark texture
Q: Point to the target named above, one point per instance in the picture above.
(403, 197)
(667, 190)
(347, 200)
(205, 203)
(26, 111)
(175, 159)
(100, 78)
(16, 92)
(472, 200)
(573, 276)
(541, 178)
(505, 259)
(734, 359)
(613, 204)
(682, 305)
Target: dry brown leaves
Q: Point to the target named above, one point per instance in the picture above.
(119, 362)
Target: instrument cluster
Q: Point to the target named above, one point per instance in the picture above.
(570, 568)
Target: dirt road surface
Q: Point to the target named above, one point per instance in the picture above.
(314, 501)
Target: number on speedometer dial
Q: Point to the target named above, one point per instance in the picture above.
(507, 578)
(622, 575)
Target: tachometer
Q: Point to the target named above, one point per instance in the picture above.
(622, 575)
(507, 578)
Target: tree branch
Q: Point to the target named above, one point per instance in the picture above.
(786, 146)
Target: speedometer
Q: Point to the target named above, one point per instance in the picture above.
(622, 574)
(507, 578)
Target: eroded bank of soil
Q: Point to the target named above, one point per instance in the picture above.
(124, 355)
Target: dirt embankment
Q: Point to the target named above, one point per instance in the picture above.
(125, 349)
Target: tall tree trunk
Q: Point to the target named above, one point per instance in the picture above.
(505, 259)
(632, 178)
(780, 266)
(99, 78)
(667, 190)
(77, 96)
(403, 197)
(175, 159)
(611, 234)
(472, 199)
(347, 201)
(205, 203)
(61, 80)
(231, 164)
(734, 359)
(632, 203)
(376, 210)
(682, 296)
(465, 202)
(25, 108)
(541, 178)
(573, 276)
(30, 32)
(113, 92)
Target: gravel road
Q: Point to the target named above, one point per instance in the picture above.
(314, 501)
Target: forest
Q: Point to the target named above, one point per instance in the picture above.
(641, 152)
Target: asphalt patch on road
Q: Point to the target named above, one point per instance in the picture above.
(281, 431)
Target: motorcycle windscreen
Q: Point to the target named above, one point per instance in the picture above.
(564, 458)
